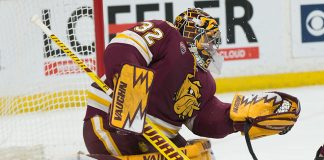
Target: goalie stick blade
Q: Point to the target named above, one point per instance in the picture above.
(34, 18)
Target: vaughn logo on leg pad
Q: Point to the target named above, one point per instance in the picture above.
(130, 98)
(120, 101)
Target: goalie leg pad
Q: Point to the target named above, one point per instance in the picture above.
(130, 98)
(198, 149)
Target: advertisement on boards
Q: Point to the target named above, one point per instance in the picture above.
(308, 28)
(121, 15)
(258, 37)
(254, 33)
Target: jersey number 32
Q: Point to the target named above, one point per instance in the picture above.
(150, 33)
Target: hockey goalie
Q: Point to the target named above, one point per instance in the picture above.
(173, 64)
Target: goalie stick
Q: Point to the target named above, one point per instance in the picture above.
(162, 143)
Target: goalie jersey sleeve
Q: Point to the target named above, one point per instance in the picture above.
(213, 118)
(213, 121)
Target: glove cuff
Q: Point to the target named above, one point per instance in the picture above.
(238, 126)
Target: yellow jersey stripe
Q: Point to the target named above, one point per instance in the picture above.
(94, 128)
(121, 35)
(109, 136)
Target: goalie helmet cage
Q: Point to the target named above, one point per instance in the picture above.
(42, 92)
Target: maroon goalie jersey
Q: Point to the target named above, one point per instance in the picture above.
(181, 93)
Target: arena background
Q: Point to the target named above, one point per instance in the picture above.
(266, 44)
(263, 41)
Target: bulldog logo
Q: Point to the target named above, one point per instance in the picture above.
(186, 99)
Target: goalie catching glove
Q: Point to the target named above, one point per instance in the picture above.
(260, 115)
(265, 114)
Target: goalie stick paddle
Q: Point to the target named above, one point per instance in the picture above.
(162, 143)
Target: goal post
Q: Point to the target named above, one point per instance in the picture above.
(42, 92)
(99, 34)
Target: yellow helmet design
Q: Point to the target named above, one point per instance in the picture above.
(202, 34)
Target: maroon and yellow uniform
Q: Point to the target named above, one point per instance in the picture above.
(181, 93)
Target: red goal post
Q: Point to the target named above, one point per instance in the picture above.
(100, 34)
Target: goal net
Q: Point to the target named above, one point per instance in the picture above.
(42, 92)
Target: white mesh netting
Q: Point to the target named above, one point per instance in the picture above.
(42, 93)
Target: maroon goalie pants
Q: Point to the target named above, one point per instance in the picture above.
(100, 139)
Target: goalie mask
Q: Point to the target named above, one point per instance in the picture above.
(202, 35)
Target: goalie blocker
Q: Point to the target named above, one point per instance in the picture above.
(130, 98)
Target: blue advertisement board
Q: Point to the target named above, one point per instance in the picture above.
(312, 22)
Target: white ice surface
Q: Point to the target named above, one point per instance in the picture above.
(301, 143)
